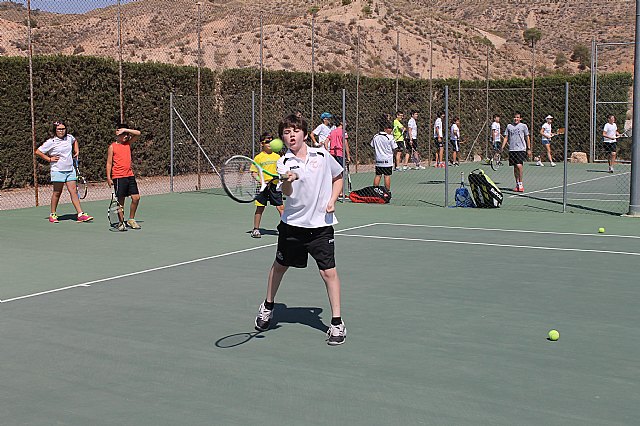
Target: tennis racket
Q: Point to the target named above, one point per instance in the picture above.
(243, 179)
(496, 160)
(559, 132)
(346, 163)
(81, 182)
(115, 213)
(626, 134)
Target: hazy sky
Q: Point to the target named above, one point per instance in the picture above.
(70, 6)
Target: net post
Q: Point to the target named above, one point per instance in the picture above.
(566, 144)
(446, 145)
(634, 190)
(171, 141)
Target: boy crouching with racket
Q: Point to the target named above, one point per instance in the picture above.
(120, 174)
(267, 159)
(312, 188)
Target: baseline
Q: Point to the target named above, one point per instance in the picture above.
(473, 243)
(570, 184)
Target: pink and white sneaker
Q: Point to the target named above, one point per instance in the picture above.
(53, 218)
(83, 217)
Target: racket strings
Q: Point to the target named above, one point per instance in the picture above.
(241, 179)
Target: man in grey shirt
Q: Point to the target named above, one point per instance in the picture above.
(517, 135)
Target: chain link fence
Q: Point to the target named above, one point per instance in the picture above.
(230, 121)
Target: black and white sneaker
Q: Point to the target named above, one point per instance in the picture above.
(336, 334)
(263, 319)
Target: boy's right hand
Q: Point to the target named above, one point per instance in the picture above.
(109, 182)
(53, 158)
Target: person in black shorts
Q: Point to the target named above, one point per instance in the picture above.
(313, 184)
(384, 144)
(517, 136)
(267, 159)
(120, 174)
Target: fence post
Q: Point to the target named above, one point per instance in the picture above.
(446, 146)
(33, 109)
(345, 170)
(634, 190)
(253, 124)
(171, 141)
(566, 143)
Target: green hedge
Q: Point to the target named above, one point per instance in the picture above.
(83, 91)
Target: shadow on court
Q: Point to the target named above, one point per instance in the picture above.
(282, 315)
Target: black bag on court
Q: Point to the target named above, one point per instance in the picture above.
(371, 194)
(485, 193)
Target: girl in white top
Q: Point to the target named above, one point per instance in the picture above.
(59, 151)
(546, 133)
(610, 137)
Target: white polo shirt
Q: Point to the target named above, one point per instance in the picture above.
(437, 128)
(62, 148)
(306, 207)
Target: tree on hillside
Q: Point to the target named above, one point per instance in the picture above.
(532, 36)
(581, 55)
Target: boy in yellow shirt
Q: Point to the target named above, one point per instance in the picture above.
(267, 159)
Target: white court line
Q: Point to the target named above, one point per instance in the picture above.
(159, 268)
(472, 243)
(569, 184)
(523, 231)
(588, 193)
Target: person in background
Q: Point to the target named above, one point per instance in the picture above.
(546, 133)
(412, 125)
(321, 132)
(438, 137)
(610, 137)
(60, 151)
(517, 136)
(402, 146)
(120, 174)
(267, 159)
(455, 141)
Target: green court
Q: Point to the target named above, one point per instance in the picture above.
(447, 313)
(590, 189)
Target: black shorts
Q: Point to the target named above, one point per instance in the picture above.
(439, 143)
(455, 145)
(517, 157)
(295, 244)
(125, 186)
(412, 144)
(402, 146)
(270, 195)
(610, 146)
(387, 171)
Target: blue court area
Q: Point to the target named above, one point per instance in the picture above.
(447, 312)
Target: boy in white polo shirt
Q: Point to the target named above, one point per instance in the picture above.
(312, 189)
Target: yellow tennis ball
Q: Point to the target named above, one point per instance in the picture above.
(554, 335)
(276, 145)
(601, 230)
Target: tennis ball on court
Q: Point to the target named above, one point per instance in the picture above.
(554, 335)
(601, 230)
(276, 145)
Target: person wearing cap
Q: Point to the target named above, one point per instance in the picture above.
(546, 133)
(321, 132)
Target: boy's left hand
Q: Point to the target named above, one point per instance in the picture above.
(331, 207)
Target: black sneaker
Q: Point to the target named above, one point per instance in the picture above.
(263, 319)
(336, 334)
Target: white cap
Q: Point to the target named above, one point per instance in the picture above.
(548, 117)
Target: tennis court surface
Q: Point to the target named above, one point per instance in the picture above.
(447, 313)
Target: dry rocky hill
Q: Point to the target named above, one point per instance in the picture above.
(166, 31)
